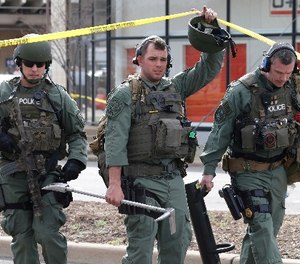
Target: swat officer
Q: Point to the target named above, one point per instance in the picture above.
(147, 144)
(31, 145)
(254, 124)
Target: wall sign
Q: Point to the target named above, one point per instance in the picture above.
(283, 7)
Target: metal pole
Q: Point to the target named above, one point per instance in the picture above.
(294, 23)
(108, 48)
(167, 27)
(228, 71)
(67, 66)
(86, 78)
(79, 57)
(93, 65)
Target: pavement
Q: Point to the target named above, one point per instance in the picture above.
(92, 253)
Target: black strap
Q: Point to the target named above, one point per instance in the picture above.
(259, 193)
(23, 206)
(253, 156)
(262, 208)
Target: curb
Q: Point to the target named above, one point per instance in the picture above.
(92, 253)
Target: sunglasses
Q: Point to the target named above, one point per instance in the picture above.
(30, 64)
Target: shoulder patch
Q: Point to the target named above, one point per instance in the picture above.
(222, 111)
(114, 107)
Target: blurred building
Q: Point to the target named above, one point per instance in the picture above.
(92, 65)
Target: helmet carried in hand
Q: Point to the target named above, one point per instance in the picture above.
(208, 37)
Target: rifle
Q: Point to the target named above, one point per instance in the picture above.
(30, 162)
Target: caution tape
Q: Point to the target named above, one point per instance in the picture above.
(251, 34)
(127, 24)
(90, 30)
(79, 96)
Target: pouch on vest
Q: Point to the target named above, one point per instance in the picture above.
(193, 144)
(171, 138)
(248, 138)
(292, 165)
(282, 137)
(97, 148)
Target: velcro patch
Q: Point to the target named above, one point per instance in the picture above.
(114, 107)
(222, 111)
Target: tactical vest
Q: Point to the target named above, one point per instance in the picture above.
(158, 125)
(159, 128)
(40, 122)
(270, 125)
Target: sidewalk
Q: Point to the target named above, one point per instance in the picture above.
(91, 253)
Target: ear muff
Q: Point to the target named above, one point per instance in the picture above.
(138, 52)
(18, 61)
(266, 61)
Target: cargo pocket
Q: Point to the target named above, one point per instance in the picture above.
(7, 222)
(188, 232)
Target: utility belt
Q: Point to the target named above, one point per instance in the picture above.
(143, 169)
(230, 164)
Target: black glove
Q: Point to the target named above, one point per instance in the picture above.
(72, 169)
(7, 143)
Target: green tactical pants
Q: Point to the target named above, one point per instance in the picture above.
(26, 230)
(259, 243)
(143, 230)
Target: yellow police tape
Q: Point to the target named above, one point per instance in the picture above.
(90, 30)
(251, 34)
(120, 25)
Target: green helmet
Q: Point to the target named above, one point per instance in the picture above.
(207, 37)
(37, 52)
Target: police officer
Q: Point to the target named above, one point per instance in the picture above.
(254, 126)
(50, 119)
(146, 140)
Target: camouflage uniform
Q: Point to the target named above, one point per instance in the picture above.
(48, 105)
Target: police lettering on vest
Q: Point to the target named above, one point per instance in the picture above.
(270, 123)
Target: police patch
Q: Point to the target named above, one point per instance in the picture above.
(114, 107)
(222, 111)
(220, 114)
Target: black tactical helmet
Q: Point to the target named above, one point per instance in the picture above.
(208, 37)
(37, 52)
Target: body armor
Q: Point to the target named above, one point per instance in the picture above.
(158, 128)
(40, 122)
(270, 125)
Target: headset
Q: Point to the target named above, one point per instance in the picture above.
(266, 61)
(140, 47)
